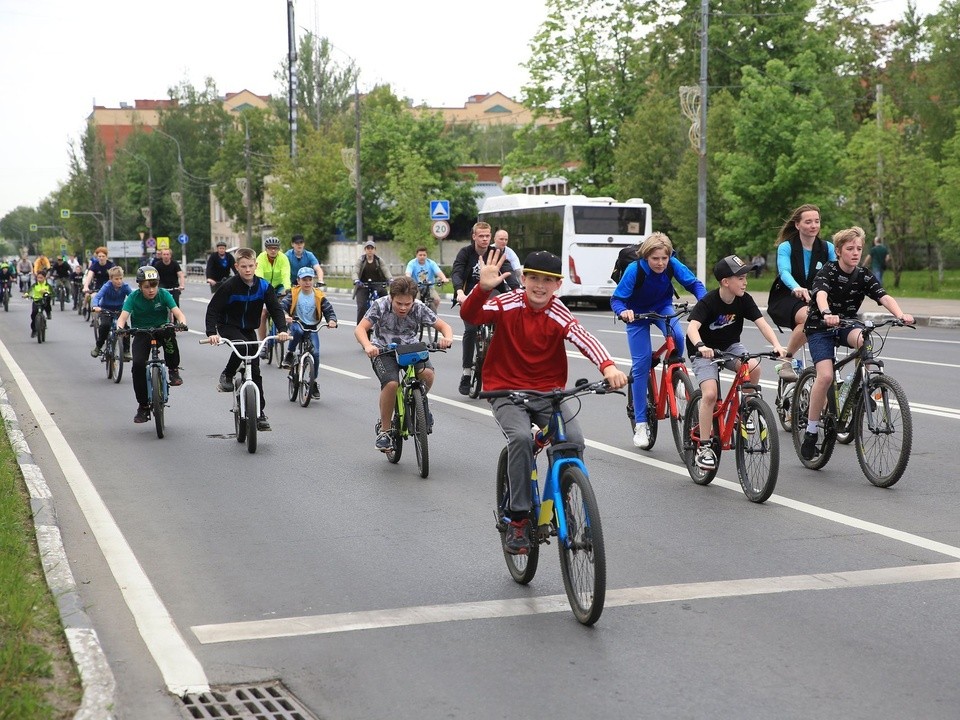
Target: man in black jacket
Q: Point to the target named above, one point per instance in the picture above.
(220, 266)
(466, 274)
(234, 313)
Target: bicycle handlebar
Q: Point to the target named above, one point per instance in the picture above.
(177, 327)
(598, 387)
(683, 308)
(722, 357)
(258, 344)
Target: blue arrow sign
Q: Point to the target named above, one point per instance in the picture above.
(439, 209)
(182, 238)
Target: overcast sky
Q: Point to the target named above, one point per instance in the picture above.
(60, 57)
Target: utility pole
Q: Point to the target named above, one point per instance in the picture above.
(702, 165)
(356, 160)
(292, 73)
(879, 207)
(249, 188)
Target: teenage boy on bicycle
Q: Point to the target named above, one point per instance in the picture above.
(397, 318)
(150, 307)
(234, 313)
(837, 293)
(527, 352)
(110, 298)
(307, 304)
(716, 323)
(40, 303)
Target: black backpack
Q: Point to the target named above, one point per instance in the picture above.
(632, 254)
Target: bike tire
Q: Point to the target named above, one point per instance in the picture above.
(757, 453)
(109, 359)
(306, 372)
(41, 325)
(156, 386)
(86, 311)
(479, 353)
(583, 561)
(883, 454)
(784, 401)
(239, 422)
(293, 382)
(63, 300)
(396, 435)
(682, 392)
(251, 413)
(652, 422)
(691, 438)
(522, 568)
(278, 351)
(826, 434)
(118, 358)
(418, 416)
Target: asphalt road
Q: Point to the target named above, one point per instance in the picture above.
(373, 593)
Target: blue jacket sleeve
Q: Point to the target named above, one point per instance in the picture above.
(784, 266)
(624, 290)
(685, 277)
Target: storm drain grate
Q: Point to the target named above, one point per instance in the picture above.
(248, 702)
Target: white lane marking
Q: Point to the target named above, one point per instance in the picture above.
(625, 597)
(180, 668)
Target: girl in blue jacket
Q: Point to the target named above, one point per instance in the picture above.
(646, 286)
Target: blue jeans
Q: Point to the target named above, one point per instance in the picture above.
(296, 329)
(641, 352)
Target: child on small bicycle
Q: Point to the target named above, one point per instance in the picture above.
(42, 296)
(716, 323)
(837, 293)
(424, 270)
(527, 352)
(646, 287)
(397, 318)
(110, 298)
(234, 312)
(150, 307)
(307, 304)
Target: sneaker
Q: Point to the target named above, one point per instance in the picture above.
(95, 352)
(786, 371)
(314, 391)
(33, 333)
(749, 426)
(384, 442)
(265, 353)
(706, 458)
(464, 384)
(641, 436)
(517, 538)
(262, 423)
(143, 414)
(175, 379)
(808, 450)
(225, 384)
(287, 359)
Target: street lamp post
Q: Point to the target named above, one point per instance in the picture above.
(178, 197)
(147, 212)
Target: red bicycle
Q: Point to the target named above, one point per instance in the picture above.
(669, 396)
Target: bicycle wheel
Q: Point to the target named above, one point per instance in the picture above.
(109, 359)
(682, 392)
(784, 401)
(293, 382)
(396, 436)
(826, 433)
(418, 417)
(583, 562)
(757, 452)
(479, 352)
(41, 325)
(117, 345)
(522, 567)
(156, 388)
(884, 450)
(652, 422)
(63, 298)
(239, 422)
(86, 308)
(6, 302)
(251, 411)
(691, 441)
(278, 350)
(306, 372)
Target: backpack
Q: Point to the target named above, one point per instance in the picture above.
(632, 254)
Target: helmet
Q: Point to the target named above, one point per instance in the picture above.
(271, 242)
(147, 272)
(306, 272)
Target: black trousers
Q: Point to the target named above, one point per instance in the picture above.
(233, 363)
(141, 353)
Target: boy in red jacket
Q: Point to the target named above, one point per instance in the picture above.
(527, 352)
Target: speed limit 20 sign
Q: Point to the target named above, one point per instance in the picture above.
(440, 229)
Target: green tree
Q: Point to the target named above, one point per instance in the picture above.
(325, 88)
(409, 182)
(949, 191)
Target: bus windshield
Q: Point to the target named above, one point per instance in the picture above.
(600, 220)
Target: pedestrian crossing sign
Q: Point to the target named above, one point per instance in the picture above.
(439, 209)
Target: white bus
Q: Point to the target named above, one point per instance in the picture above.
(587, 234)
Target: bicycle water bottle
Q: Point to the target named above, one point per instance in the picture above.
(844, 389)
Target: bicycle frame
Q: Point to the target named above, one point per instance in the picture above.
(865, 366)
(664, 399)
(156, 361)
(728, 409)
(560, 453)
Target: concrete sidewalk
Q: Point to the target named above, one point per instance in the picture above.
(925, 311)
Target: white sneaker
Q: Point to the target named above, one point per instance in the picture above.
(641, 436)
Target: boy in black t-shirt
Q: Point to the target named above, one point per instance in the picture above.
(716, 323)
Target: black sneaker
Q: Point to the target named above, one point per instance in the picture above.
(262, 423)
(265, 353)
(384, 442)
(808, 450)
(175, 379)
(287, 359)
(225, 384)
(517, 539)
(314, 391)
(95, 352)
(706, 458)
(464, 384)
(143, 414)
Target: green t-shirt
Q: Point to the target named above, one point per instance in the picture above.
(149, 313)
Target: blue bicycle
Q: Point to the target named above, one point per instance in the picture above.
(158, 380)
(566, 509)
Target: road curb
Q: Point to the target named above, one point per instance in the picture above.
(96, 678)
(939, 321)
